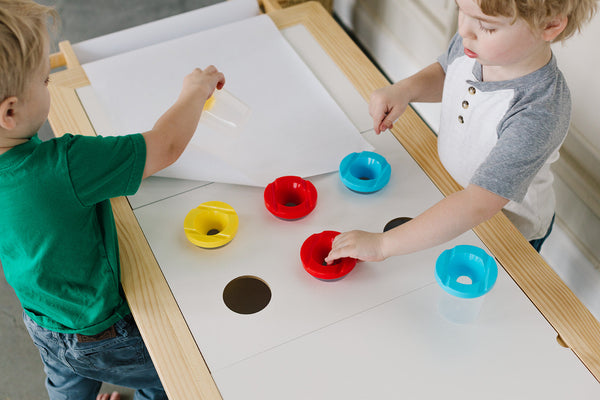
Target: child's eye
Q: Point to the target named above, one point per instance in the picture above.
(486, 30)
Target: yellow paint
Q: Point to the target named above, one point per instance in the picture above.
(209, 103)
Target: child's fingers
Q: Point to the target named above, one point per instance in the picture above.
(335, 254)
(210, 78)
(341, 247)
(218, 76)
(378, 121)
(386, 124)
(383, 115)
(211, 69)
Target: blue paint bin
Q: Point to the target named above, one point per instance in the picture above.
(365, 172)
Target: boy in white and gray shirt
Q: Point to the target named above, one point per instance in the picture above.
(503, 136)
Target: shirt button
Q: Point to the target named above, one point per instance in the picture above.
(461, 119)
(465, 104)
(472, 90)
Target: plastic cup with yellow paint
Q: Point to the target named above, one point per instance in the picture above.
(224, 112)
(211, 224)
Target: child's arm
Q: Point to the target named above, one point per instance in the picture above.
(442, 222)
(174, 129)
(389, 103)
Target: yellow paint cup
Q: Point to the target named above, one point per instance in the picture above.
(211, 224)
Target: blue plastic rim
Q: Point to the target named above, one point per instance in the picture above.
(466, 271)
(365, 172)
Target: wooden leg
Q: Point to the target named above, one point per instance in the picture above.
(270, 5)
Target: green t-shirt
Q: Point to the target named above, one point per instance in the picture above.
(58, 241)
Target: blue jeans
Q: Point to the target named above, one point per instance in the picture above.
(75, 369)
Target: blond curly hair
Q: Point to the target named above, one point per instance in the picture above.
(23, 30)
(537, 13)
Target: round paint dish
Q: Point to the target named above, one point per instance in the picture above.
(365, 172)
(211, 224)
(313, 253)
(290, 197)
(466, 271)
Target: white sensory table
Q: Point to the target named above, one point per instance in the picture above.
(377, 333)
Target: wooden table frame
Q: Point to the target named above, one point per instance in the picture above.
(176, 356)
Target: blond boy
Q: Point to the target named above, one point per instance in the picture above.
(505, 112)
(58, 245)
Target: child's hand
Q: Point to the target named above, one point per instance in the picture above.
(386, 106)
(167, 140)
(361, 245)
(203, 82)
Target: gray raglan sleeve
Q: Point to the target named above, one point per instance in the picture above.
(528, 137)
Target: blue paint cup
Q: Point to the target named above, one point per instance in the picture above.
(466, 273)
(365, 172)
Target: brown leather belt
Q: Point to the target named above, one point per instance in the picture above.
(105, 334)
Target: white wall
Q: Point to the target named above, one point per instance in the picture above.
(579, 59)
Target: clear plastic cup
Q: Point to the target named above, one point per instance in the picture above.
(458, 310)
(466, 273)
(224, 112)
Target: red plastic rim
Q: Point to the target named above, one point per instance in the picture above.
(290, 197)
(313, 253)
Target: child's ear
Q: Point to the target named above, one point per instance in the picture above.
(554, 27)
(7, 113)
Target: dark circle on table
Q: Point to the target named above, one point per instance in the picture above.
(247, 295)
(396, 222)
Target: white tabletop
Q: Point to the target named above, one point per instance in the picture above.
(377, 332)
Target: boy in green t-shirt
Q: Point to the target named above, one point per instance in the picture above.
(58, 245)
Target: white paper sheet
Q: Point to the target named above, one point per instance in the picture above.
(295, 127)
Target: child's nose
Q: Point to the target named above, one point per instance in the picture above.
(467, 26)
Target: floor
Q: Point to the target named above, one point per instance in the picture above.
(21, 373)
